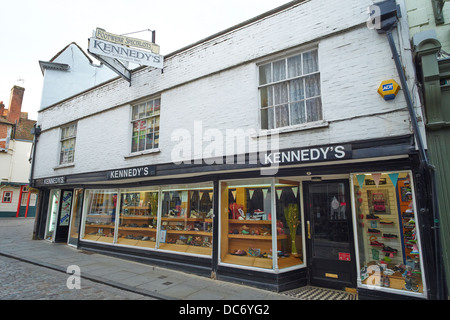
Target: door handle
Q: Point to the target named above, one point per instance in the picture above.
(309, 229)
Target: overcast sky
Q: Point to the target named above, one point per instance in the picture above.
(33, 30)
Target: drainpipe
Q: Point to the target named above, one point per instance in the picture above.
(36, 131)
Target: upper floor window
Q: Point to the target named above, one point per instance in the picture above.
(7, 197)
(290, 91)
(145, 122)
(68, 138)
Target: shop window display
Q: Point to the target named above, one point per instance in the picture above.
(76, 216)
(52, 216)
(182, 224)
(288, 223)
(389, 247)
(186, 219)
(100, 215)
(138, 217)
(250, 223)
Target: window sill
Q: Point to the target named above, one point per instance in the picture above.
(141, 153)
(298, 127)
(63, 166)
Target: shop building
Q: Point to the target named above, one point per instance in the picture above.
(262, 155)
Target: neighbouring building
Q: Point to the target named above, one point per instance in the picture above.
(17, 200)
(429, 23)
(264, 154)
(70, 72)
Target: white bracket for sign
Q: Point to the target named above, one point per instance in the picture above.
(115, 65)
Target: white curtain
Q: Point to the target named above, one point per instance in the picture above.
(295, 101)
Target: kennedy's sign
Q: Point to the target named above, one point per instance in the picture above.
(119, 52)
(55, 180)
(326, 153)
(136, 172)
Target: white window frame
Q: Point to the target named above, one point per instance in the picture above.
(63, 138)
(264, 125)
(138, 116)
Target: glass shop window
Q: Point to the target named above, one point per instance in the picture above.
(288, 223)
(186, 218)
(138, 217)
(52, 215)
(251, 222)
(389, 243)
(99, 215)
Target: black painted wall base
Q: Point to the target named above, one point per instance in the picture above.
(276, 282)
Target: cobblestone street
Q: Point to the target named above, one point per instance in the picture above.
(24, 281)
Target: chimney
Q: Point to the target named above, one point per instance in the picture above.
(2, 108)
(15, 104)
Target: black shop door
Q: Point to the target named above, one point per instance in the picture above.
(330, 244)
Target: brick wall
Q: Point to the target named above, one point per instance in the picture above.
(15, 104)
(3, 134)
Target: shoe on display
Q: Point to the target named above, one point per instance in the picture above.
(386, 221)
(376, 244)
(371, 216)
(373, 230)
(389, 235)
(239, 252)
(386, 283)
(415, 250)
(389, 249)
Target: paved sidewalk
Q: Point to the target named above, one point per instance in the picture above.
(16, 242)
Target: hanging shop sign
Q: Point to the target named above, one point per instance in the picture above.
(120, 52)
(136, 172)
(388, 89)
(117, 51)
(326, 153)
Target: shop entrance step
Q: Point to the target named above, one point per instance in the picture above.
(317, 293)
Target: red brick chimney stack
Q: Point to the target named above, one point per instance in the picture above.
(15, 104)
(2, 108)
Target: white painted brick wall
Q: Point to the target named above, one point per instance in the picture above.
(215, 82)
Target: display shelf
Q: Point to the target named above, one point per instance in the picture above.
(95, 225)
(248, 261)
(190, 232)
(137, 217)
(254, 237)
(136, 229)
(259, 222)
(186, 221)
